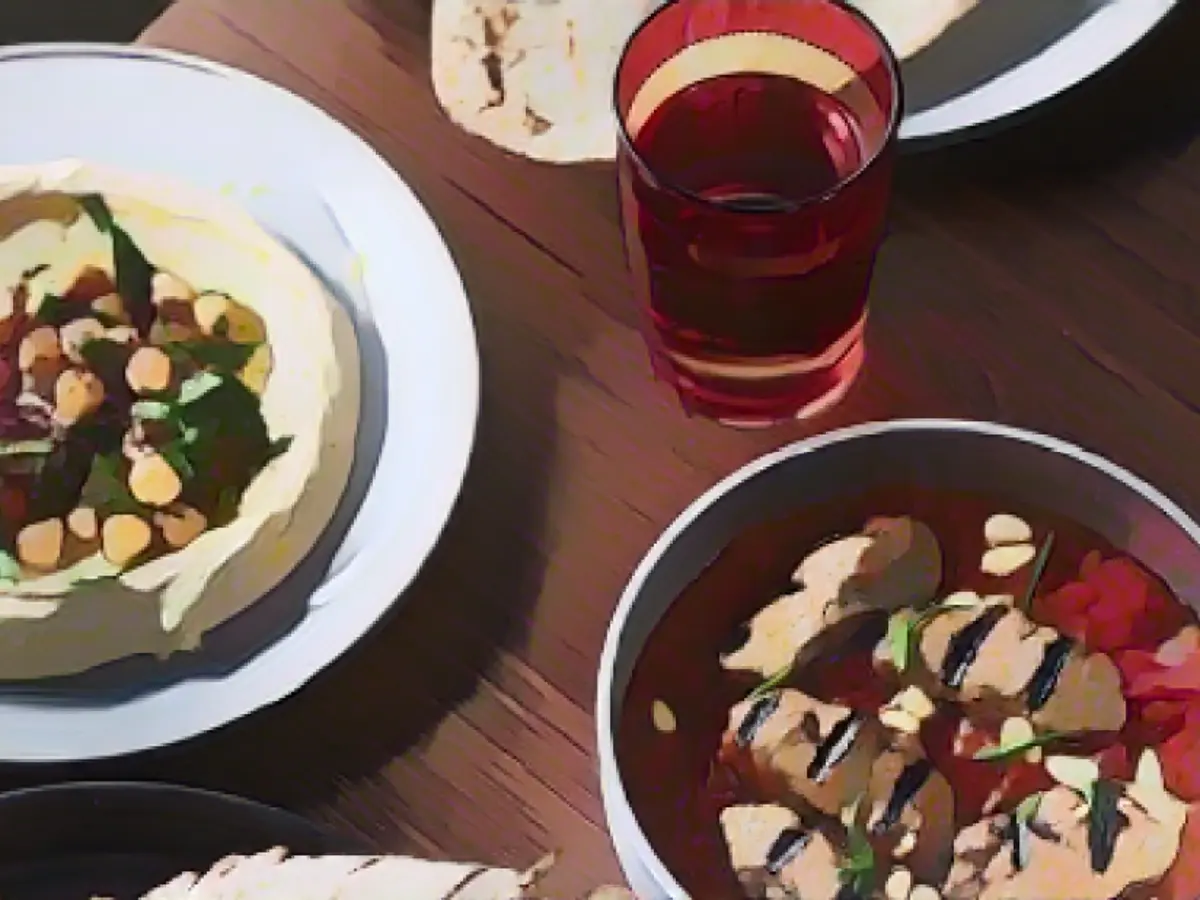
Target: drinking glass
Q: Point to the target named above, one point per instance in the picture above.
(755, 164)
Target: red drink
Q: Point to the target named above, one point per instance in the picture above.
(754, 177)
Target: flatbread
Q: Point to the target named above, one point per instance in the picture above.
(48, 627)
(273, 875)
(912, 25)
(534, 76)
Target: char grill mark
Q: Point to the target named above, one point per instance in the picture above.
(907, 786)
(835, 748)
(758, 714)
(789, 845)
(964, 646)
(1045, 678)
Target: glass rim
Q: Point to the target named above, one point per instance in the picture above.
(890, 61)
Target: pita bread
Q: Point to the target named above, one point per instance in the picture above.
(912, 25)
(55, 625)
(534, 76)
(272, 875)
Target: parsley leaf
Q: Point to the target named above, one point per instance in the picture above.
(1002, 752)
(767, 686)
(857, 868)
(134, 273)
(904, 627)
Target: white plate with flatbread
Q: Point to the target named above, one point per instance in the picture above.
(535, 76)
(326, 196)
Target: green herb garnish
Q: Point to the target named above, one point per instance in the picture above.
(1022, 835)
(1027, 809)
(1039, 569)
(904, 627)
(10, 569)
(106, 488)
(58, 311)
(151, 410)
(197, 386)
(177, 459)
(134, 273)
(767, 686)
(35, 447)
(857, 868)
(1002, 752)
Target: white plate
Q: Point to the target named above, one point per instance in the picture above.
(322, 189)
(1007, 56)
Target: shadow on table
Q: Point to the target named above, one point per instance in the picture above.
(1145, 104)
(23, 21)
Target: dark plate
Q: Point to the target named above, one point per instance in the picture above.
(120, 839)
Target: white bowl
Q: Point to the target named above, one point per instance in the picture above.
(1023, 466)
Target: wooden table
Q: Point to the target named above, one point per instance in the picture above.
(1049, 278)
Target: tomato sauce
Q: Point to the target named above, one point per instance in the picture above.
(1088, 590)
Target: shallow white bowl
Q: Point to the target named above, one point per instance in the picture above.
(983, 457)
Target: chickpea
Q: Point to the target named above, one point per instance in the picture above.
(258, 369)
(110, 305)
(152, 480)
(76, 393)
(165, 286)
(124, 537)
(41, 343)
(83, 523)
(76, 333)
(40, 545)
(242, 325)
(180, 525)
(149, 369)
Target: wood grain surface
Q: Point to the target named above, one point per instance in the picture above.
(1047, 277)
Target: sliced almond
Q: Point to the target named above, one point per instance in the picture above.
(906, 845)
(898, 884)
(915, 702)
(1004, 528)
(1004, 561)
(1015, 730)
(148, 370)
(1149, 770)
(900, 720)
(663, 717)
(1075, 772)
